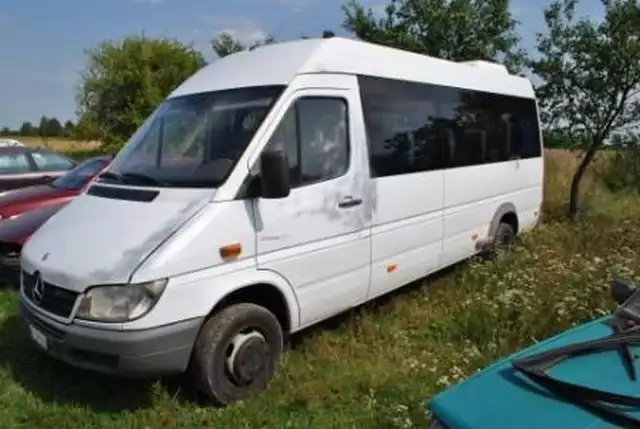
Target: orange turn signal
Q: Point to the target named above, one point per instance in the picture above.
(231, 251)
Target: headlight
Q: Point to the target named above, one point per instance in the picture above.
(120, 303)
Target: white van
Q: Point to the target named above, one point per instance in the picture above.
(274, 189)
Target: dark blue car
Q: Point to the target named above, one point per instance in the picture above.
(582, 378)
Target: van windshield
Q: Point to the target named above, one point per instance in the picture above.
(193, 140)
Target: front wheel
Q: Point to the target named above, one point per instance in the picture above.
(237, 352)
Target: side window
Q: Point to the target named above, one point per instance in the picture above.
(51, 162)
(525, 133)
(413, 127)
(408, 126)
(314, 133)
(14, 164)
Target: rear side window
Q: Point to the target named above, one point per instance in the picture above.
(14, 164)
(51, 162)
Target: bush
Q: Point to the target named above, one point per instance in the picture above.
(622, 171)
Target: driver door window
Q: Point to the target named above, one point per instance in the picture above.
(313, 133)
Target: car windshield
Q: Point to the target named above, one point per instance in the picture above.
(193, 140)
(80, 175)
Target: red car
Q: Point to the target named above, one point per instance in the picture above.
(17, 201)
(24, 210)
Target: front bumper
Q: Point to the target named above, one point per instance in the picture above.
(144, 353)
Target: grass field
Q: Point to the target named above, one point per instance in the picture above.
(58, 144)
(373, 367)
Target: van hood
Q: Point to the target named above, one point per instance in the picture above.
(500, 398)
(102, 240)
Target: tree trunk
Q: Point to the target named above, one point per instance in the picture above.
(574, 200)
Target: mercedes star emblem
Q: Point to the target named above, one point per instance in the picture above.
(38, 289)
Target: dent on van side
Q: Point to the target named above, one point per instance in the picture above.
(274, 189)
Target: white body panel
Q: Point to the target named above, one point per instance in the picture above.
(322, 258)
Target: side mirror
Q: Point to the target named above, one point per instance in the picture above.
(274, 175)
(621, 290)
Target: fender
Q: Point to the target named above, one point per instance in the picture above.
(502, 210)
(194, 295)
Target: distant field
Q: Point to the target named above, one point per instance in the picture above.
(59, 144)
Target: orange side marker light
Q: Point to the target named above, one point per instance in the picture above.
(231, 251)
(391, 268)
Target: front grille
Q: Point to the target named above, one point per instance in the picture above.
(54, 299)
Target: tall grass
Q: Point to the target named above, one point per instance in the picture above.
(373, 367)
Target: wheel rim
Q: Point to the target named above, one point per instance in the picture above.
(248, 357)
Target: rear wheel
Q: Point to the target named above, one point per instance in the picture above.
(503, 241)
(236, 353)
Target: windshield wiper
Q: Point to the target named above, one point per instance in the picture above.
(128, 178)
(111, 176)
(597, 401)
(145, 178)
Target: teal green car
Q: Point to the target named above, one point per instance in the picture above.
(582, 378)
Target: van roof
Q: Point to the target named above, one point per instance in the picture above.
(279, 63)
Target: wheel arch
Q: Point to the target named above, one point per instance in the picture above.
(268, 290)
(506, 212)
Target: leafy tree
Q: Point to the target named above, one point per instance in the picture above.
(49, 127)
(125, 81)
(591, 75)
(6, 131)
(68, 129)
(457, 30)
(28, 130)
(225, 44)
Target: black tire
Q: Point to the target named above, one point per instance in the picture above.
(503, 241)
(214, 375)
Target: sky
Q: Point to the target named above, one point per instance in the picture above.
(43, 42)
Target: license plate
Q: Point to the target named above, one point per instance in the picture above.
(38, 337)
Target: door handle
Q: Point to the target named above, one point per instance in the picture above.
(349, 202)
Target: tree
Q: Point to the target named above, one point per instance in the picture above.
(125, 81)
(6, 131)
(28, 130)
(49, 127)
(43, 128)
(457, 30)
(68, 129)
(591, 77)
(225, 44)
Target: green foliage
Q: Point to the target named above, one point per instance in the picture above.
(557, 139)
(590, 74)
(622, 169)
(125, 81)
(456, 30)
(225, 44)
(28, 130)
(49, 127)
